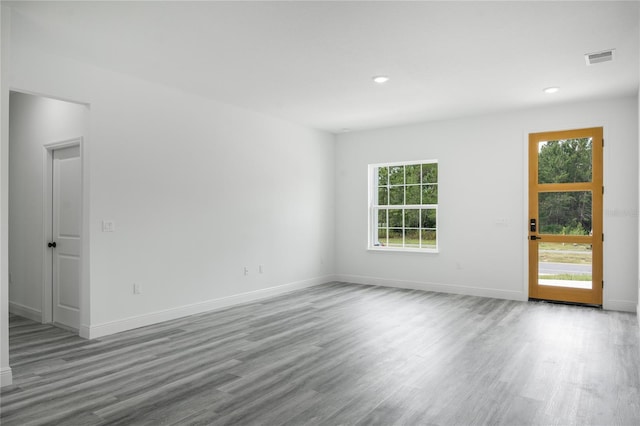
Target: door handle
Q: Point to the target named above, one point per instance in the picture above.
(534, 237)
(53, 244)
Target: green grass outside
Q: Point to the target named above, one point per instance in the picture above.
(567, 277)
(397, 242)
(567, 253)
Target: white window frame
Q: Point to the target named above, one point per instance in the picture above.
(372, 225)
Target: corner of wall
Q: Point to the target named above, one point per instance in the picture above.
(6, 377)
(638, 266)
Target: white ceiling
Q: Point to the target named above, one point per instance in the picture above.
(312, 62)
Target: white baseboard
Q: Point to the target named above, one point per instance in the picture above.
(619, 305)
(25, 311)
(6, 376)
(112, 327)
(610, 305)
(437, 287)
(84, 331)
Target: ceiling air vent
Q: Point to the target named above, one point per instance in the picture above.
(597, 57)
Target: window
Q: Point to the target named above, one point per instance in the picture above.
(403, 206)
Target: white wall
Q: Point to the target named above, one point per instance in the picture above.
(482, 207)
(33, 123)
(6, 377)
(638, 306)
(197, 189)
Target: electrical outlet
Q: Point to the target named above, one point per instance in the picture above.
(246, 270)
(137, 289)
(260, 269)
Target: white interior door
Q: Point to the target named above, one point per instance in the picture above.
(66, 227)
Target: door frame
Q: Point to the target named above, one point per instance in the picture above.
(526, 188)
(47, 214)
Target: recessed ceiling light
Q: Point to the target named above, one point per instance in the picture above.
(380, 79)
(550, 90)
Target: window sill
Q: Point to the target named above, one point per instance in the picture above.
(402, 250)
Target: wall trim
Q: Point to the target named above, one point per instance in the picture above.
(84, 331)
(6, 377)
(25, 311)
(638, 313)
(619, 305)
(437, 287)
(609, 305)
(112, 327)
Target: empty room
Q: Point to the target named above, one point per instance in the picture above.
(319, 213)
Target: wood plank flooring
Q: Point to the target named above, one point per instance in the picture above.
(337, 354)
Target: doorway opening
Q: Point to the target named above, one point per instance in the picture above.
(48, 226)
(565, 216)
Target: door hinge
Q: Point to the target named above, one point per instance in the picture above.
(602, 237)
(603, 142)
(602, 283)
(603, 189)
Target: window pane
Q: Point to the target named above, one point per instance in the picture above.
(395, 238)
(564, 161)
(429, 194)
(428, 218)
(412, 238)
(395, 218)
(565, 213)
(382, 237)
(383, 196)
(428, 239)
(401, 218)
(413, 194)
(430, 173)
(382, 218)
(383, 176)
(411, 218)
(396, 175)
(413, 173)
(396, 195)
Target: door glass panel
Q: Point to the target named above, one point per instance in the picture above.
(565, 213)
(565, 161)
(565, 265)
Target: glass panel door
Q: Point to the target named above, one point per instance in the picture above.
(565, 211)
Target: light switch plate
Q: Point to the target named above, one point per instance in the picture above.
(108, 226)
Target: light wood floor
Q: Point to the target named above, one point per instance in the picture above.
(337, 354)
